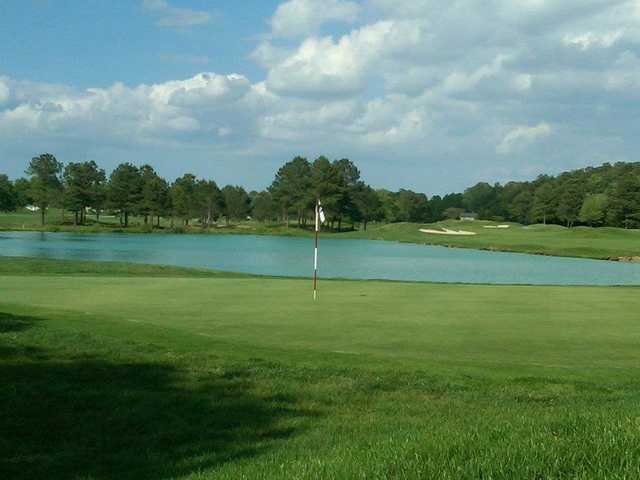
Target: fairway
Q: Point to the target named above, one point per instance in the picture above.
(183, 374)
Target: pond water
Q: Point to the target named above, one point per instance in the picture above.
(287, 256)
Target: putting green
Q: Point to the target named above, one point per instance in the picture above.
(578, 331)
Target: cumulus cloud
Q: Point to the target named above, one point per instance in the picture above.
(520, 137)
(202, 105)
(324, 66)
(169, 16)
(304, 17)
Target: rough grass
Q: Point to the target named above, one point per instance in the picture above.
(105, 376)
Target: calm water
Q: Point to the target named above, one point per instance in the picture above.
(363, 259)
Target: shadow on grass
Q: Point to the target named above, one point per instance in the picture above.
(96, 418)
(15, 323)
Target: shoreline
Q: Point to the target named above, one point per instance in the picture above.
(372, 234)
(57, 267)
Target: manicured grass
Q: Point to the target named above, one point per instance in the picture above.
(44, 266)
(584, 242)
(172, 376)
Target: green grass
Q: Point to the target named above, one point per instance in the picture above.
(29, 221)
(162, 374)
(583, 242)
(45, 266)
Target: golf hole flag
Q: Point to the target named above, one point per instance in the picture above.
(319, 221)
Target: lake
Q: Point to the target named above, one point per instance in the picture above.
(290, 256)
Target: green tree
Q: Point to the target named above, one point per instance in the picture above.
(438, 206)
(211, 200)
(482, 198)
(624, 206)
(326, 186)
(184, 197)
(349, 181)
(8, 199)
(22, 188)
(263, 207)
(520, 208)
(570, 201)
(594, 209)
(389, 206)
(291, 187)
(125, 190)
(155, 195)
(367, 203)
(46, 186)
(84, 184)
(545, 203)
(453, 213)
(73, 189)
(507, 202)
(412, 206)
(236, 202)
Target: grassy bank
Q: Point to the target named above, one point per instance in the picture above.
(163, 374)
(28, 221)
(582, 242)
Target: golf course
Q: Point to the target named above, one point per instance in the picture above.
(319, 240)
(113, 370)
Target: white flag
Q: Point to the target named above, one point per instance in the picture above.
(320, 212)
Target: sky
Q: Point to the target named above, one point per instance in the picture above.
(432, 95)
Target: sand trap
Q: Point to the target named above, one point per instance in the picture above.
(446, 231)
(496, 226)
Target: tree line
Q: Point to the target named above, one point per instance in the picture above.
(608, 195)
(596, 196)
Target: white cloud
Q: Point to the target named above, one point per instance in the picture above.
(304, 17)
(204, 103)
(457, 81)
(322, 66)
(203, 90)
(169, 16)
(587, 40)
(520, 137)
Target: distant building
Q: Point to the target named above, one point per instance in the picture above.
(468, 216)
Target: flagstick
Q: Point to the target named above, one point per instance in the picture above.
(315, 258)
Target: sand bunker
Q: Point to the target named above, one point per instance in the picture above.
(496, 226)
(446, 231)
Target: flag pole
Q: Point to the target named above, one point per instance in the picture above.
(315, 257)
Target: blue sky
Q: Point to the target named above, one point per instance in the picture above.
(97, 43)
(432, 95)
